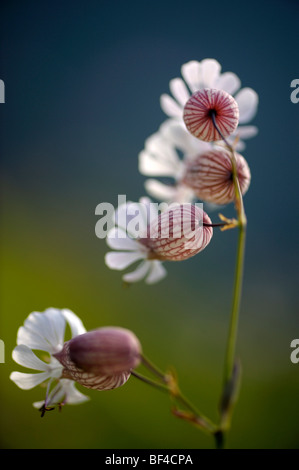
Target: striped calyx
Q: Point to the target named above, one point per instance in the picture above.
(208, 104)
(178, 233)
(210, 175)
(101, 359)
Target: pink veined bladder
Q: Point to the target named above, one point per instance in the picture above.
(208, 104)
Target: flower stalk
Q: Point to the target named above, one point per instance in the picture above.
(230, 376)
(168, 383)
(105, 358)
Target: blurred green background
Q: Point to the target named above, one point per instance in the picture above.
(83, 81)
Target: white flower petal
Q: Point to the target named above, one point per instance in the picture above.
(157, 272)
(170, 106)
(118, 239)
(247, 100)
(210, 70)
(32, 339)
(150, 165)
(76, 325)
(159, 158)
(73, 396)
(160, 191)
(157, 145)
(139, 273)
(24, 356)
(211, 207)
(228, 82)
(38, 404)
(176, 134)
(168, 155)
(169, 194)
(58, 393)
(121, 260)
(129, 213)
(191, 72)
(246, 132)
(28, 381)
(64, 392)
(179, 91)
(44, 331)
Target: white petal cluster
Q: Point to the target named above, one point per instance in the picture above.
(168, 152)
(161, 157)
(128, 249)
(207, 74)
(45, 332)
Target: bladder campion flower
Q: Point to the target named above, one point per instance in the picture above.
(209, 105)
(105, 351)
(210, 176)
(101, 359)
(129, 249)
(176, 234)
(179, 233)
(207, 74)
(45, 332)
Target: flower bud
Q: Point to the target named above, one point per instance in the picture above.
(205, 104)
(95, 381)
(178, 233)
(101, 358)
(210, 176)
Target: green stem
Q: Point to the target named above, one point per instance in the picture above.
(229, 385)
(229, 377)
(154, 369)
(233, 329)
(210, 426)
(175, 393)
(151, 382)
(178, 394)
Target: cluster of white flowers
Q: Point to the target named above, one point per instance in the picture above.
(173, 151)
(183, 149)
(101, 359)
(45, 332)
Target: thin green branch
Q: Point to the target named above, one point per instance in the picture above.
(237, 292)
(231, 374)
(151, 382)
(170, 385)
(154, 369)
